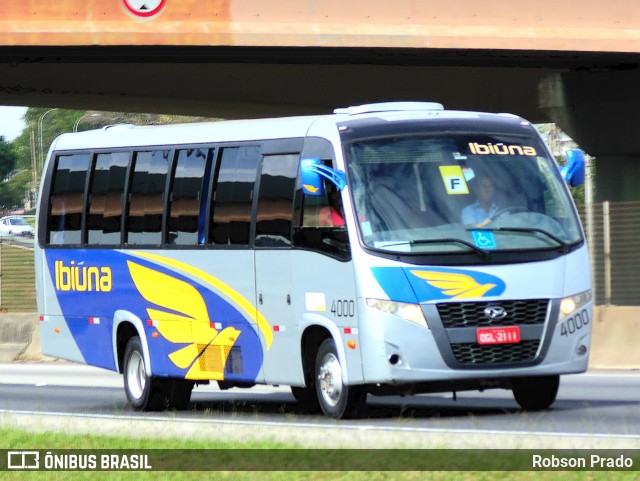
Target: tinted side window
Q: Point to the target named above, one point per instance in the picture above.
(233, 196)
(146, 199)
(65, 205)
(275, 203)
(185, 224)
(106, 198)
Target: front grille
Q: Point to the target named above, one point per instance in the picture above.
(476, 354)
(471, 314)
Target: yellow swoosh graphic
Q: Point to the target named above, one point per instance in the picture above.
(458, 286)
(206, 355)
(234, 295)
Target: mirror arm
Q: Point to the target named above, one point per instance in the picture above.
(336, 176)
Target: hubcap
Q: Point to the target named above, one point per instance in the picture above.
(136, 376)
(330, 379)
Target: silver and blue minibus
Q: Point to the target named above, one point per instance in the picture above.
(342, 255)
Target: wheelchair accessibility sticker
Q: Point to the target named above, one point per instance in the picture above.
(484, 239)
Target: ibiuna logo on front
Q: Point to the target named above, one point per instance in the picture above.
(501, 149)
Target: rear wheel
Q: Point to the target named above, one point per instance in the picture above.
(336, 400)
(535, 393)
(148, 393)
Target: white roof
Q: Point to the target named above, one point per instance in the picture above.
(124, 135)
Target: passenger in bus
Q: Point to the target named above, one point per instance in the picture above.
(333, 214)
(479, 213)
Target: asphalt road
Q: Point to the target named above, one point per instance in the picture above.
(599, 409)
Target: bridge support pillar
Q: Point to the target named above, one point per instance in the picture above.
(601, 112)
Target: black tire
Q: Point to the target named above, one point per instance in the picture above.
(336, 400)
(535, 393)
(148, 393)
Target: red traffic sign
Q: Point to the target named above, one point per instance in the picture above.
(144, 8)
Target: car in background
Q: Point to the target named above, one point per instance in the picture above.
(15, 225)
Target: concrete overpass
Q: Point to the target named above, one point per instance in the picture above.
(574, 62)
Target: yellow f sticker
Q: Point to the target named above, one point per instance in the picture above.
(453, 179)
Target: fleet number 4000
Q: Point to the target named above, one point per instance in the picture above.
(574, 323)
(343, 308)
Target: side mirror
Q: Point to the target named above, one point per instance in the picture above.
(573, 171)
(312, 173)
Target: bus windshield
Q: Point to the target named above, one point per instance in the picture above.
(449, 193)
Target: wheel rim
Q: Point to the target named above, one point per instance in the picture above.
(136, 375)
(330, 379)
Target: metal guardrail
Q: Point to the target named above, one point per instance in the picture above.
(613, 235)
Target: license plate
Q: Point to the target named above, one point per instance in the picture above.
(498, 335)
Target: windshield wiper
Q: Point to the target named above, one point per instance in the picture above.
(565, 247)
(481, 252)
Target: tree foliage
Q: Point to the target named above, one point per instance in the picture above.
(7, 158)
(9, 196)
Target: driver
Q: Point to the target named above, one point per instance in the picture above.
(479, 213)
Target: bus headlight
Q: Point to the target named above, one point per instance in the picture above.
(408, 312)
(573, 303)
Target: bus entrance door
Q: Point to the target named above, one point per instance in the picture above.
(275, 304)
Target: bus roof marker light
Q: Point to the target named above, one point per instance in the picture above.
(312, 173)
(389, 107)
(118, 127)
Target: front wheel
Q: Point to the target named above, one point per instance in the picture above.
(535, 393)
(148, 393)
(336, 400)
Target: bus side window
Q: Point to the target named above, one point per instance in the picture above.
(64, 222)
(104, 216)
(146, 199)
(187, 191)
(233, 198)
(275, 202)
